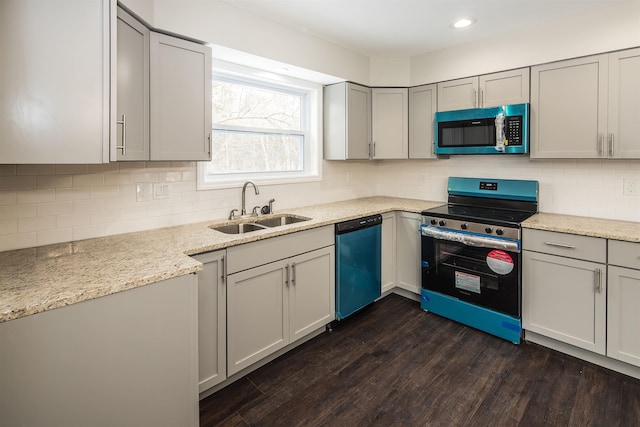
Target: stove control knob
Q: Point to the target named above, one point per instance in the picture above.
(434, 221)
(499, 231)
(488, 230)
(442, 222)
(464, 226)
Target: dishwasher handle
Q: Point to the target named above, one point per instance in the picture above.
(469, 239)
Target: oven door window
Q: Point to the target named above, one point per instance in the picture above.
(483, 276)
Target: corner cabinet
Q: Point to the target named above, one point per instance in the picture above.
(623, 302)
(587, 107)
(163, 96)
(489, 90)
(564, 288)
(56, 80)
(347, 122)
(422, 108)
(390, 123)
(212, 320)
(279, 290)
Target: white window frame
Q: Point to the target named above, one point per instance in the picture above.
(312, 135)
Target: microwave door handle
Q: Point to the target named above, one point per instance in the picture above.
(471, 239)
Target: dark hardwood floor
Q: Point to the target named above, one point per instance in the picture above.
(395, 365)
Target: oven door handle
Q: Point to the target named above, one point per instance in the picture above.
(471, 239)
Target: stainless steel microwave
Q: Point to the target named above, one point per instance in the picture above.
(496, 130)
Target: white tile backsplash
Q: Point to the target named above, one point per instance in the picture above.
(43, 204)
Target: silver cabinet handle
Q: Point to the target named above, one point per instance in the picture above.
(600, 144)
(286, 280)
(560, 245)
(611, 145)
(370, 144)
(475, 98)
(482, 97)
(222, 268)
(374, 149)
(597, 280)
(293, 274)
(123, 147)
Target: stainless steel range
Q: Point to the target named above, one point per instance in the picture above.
(471, 253)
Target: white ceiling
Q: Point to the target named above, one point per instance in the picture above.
(400, 28)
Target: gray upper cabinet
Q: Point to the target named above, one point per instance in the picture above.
(164, 96)
(131, 141)
(390, 123)
(489, 90)
(347, 121)
(422, 107)
(180, 79)
(55, 81)
(623, 125)
(587, 107)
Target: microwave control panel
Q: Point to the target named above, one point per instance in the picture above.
(513, 130)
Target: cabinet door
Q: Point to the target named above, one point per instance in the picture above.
(564, 299)
(311, 291)
(422, 107)
(408, 255)
(358, 121)
(568, 108)
(390, 123)
(257, 314)
(180, 79)
(131, 141)
(458, 94)
(623, 139)
(388, 251)
(212, 320)
(508, 87)
(623, 315)
(55, 87)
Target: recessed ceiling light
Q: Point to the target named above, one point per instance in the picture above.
(463, 23)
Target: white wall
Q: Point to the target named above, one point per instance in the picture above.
(574, 187)
(219, 23)
(44, 204)
(613, 28)
(390, 72)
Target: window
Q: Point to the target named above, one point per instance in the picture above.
(265, 128)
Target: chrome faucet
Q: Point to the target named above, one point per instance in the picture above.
(244, 190)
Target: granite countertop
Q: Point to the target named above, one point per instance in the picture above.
(595, 227)
(43, 278)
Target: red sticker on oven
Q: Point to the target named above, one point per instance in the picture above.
(500, 262)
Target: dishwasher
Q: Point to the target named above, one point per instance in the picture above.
(358, 264)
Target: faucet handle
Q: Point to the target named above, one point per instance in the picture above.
(232, 214)
(271, 205)
(255, 212)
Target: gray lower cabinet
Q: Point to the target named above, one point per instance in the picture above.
(564, 288)
(388, 251)
(408, 251)
(288, 293)
(126, 359)
(623, 303)
(212, 320)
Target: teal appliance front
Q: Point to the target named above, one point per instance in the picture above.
(358, 264)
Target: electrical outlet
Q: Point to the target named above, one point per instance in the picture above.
(631, 187)
(160, 191)
(143, 191)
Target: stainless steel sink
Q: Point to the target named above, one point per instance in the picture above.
(240, 228)
(277, 221)
(245, 225)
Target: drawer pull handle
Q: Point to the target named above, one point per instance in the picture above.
(560, 245)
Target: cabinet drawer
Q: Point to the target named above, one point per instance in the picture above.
(262, 252)
(563, 244)
(624, 254)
